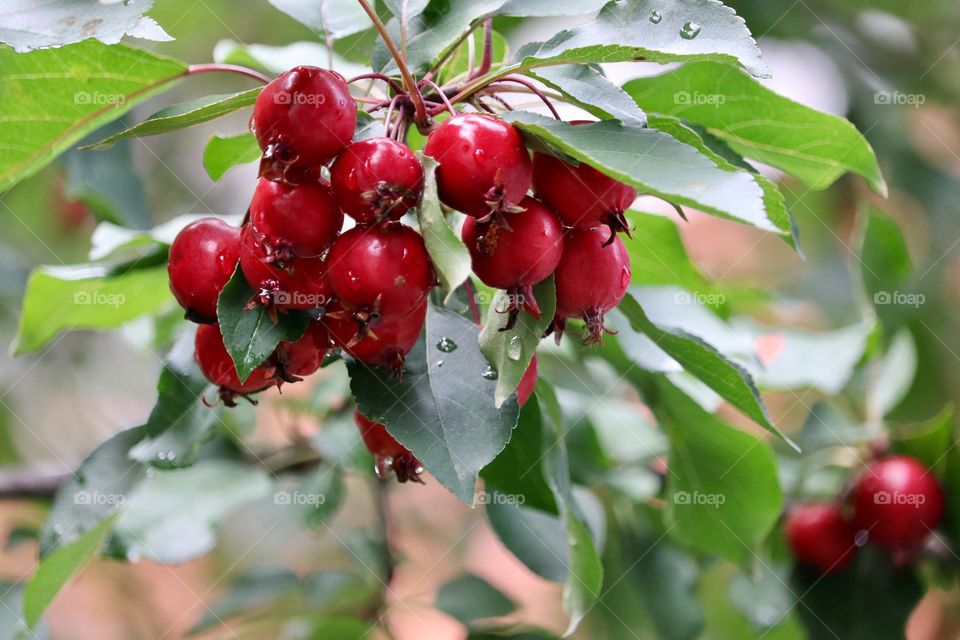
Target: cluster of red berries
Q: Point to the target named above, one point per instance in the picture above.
(895, 504)
(366, 288)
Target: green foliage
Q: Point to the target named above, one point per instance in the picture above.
(223, 153)
(469, 598)
(449, 255)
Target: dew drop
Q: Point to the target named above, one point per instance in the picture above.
(655, 17)
(515, 348)
(490, 373)
(439, 363)
(690, 30)
(447, 345)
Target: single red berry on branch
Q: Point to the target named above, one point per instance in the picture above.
(296, 360)
(202, 258)
(300, 284)
(484, 167)
(384, 340)
(820, 536)
(528, 382)
(294, 220)
(217, 366)
(389, 454)
(376, 180)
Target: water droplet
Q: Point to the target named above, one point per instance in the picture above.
(478, 155)
(439, 363)
(690, 30)
(447, 345)
(655, 17)
(515, 348)
(490, 373)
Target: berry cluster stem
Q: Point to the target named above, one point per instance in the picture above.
(195, 69)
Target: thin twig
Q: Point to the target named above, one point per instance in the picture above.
(443, 97)
(535, 90)
(396, 86)
(487, 60)
(195, 69)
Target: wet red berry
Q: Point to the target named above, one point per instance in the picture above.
(820, 536)
(296, 360)
(376, 179)
(216, 364)
(302, 119)
(528, 382)
(484, 165)
(203, 256)
(389, 454)
(517, 257)
(294, 220)
(301, 284)
(581, 196)
(897, 502)
(383, 341)
(591, 279)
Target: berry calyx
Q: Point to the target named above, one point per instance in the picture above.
(820, 536)
(528, 382)
(301, 119)
(516, 258)
(591, 279)
(581, 196)
(203, 256)
(296, 360)
(217, 366)
(301, 284)
(376, 180)
(484, 169)
(389, 454)
(384, 341)
(294, 220)
(897, 502)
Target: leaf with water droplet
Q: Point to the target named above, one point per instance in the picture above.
(655, 17)
(447, 345)
(690, 30)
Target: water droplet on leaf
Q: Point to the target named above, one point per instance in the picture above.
(515, 348)
(690, 30)
(490, 373)
(447, 345)
(655, 17)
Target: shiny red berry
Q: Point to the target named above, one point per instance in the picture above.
(516, 257)
(382, 341)
(203, 256)
(897, 502)
(376, 179)
(484, 165)
(297, 360)
(294, 220)
(389, 454)
(820, 536)
(217, 366)
(528, 382)
(300, 284)
(303, 118)
(591, 279)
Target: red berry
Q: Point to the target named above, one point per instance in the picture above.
(294, 220)
(301, 284)
(216, 364)
(820, 536)
(384, 340)
(296, 360)
(897, 502)
(518, 256)
(302, 119)
(591, 279)
(203, 256)
(376, 179)
(528, 382)
(484, 165)
(389, 454)
(581, 196)
(383, 269)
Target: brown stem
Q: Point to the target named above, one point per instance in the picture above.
(443, 97)
(194, 69)
(487, 60)
(535, 90)
(396, 86)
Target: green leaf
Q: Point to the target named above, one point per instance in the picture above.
(331, 18)
(723, 493)
(658, 256)
(442, 410)
(652, 30)
(250, 335)
(248, 592)
(449, 255)
(510, 351)
(183, 115)
(589, 89)
(107, 182)
(886, 270)
(929, 442)
(655, 163)
(58, 567)
(317, 497)
(44, 111)
(703, 361)
(536, 538)
(666, 579)
(460, 59)
(171, 516)
(765, 597)
(222, 153)
(27, 25)
(86, 297)
(470, 597)
(894, 375)
(815, 147)
(546, 8)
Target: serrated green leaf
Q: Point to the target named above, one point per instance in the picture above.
(470, 597)
(450, 257)
(547, 8)
(658, 255)
(510, 351)
(442, 410)
(590, 90)
(333, 18)
(86, 297)
(251, 336)
(222, 153)
(59, 567)
(654, 163)
(815, 147)
(44, 111)
(886, 270)
(652, 30)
